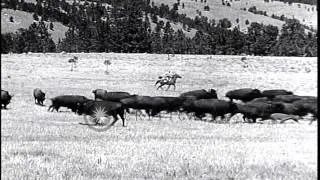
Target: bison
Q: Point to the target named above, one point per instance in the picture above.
(68, 101)
(254, 110)
(274, 92)
(110, 96)
(292, 98)
(5, 98)
(39, 96)
(215, 107)
(245, 94)
(308, 106)
(137, 102)
(91, 107)
(201, 94)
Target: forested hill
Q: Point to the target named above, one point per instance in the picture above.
(147, 26)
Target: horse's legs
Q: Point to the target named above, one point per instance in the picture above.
(168, 87)
(160, 86)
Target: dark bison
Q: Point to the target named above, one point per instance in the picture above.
(39, 96)
(152, 105)
(138, 102)
(288, 108)
(245, 95)
(110, 96)
(263, 110)
(308, 106)
(5, 98)
(292, 98)
(165, 103)
(111, 108)
(200, 94)
(68, 101)
(274, 92)
(215, 107)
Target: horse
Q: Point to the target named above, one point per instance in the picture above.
(170, 82)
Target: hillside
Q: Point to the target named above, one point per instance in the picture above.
(218, 11)
(24, 20)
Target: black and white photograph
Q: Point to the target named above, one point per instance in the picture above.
(159, 89)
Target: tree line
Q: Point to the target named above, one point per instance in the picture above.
(125, 26)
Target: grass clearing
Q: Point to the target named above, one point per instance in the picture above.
(49, 145)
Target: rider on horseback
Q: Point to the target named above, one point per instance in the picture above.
(167, 76)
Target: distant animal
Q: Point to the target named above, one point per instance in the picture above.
(171, 82)
(5, 99)
(274, 92)
(215, 107)
(201, 94)
(245, 94)
(109, 108)
(110, 96)
(39, 96)
(68, 101)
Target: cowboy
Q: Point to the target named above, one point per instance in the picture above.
(166, 76)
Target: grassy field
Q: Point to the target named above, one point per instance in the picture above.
(36, 144)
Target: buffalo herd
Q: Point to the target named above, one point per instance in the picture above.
(253, 104)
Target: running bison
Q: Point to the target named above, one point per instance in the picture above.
(5, 98)
(68, 101)
(201, 94)
(215, 107)
(39, 96)
(138, 103)
(292, 98)
(245, 94)
(109, 96)
(275, 92)
(308, 106)
(109, 108)
(255, 110)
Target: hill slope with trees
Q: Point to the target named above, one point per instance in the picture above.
(124, 26)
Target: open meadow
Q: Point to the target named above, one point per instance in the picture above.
(37, 144)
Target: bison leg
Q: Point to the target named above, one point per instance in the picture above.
(115, 119)
(121, 114)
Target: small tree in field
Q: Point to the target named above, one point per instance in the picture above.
(11, 19)
(107, 63)
(73, 61)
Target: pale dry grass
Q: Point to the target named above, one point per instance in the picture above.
(45, 145)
